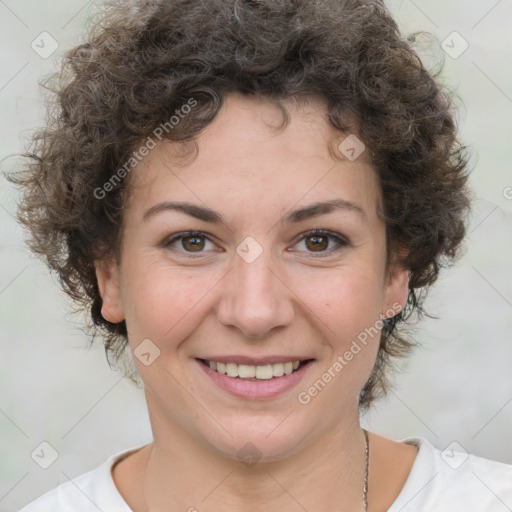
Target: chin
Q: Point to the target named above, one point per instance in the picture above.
(259, 441)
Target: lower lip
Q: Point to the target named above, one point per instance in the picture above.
(256, 390)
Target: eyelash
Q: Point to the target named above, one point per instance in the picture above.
(341, 241)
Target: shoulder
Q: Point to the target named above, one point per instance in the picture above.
(71, 495)
(452, 479)
(89, 492)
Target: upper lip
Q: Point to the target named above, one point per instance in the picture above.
(256, 361)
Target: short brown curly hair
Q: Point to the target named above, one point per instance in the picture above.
(144, 59)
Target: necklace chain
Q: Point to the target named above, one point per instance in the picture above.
(367, 465)
(365, 484)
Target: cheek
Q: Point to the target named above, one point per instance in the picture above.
(345, 300)
(164, 303)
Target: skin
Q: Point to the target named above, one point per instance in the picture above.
(290, 300)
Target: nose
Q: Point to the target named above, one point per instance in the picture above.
(255, 299)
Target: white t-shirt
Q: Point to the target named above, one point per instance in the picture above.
(448, 481)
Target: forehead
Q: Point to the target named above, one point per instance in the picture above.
(248, 147)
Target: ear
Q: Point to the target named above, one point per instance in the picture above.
(396, 287)
(107, 275)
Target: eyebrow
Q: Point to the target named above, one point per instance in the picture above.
(299, 215)
(322, 208)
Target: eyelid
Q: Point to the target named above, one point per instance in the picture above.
(341, 240)
(166, 244)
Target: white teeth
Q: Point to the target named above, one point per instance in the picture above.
(278, 369)
(232, 369)
(263, 372)
(288, 368)
(246, 372)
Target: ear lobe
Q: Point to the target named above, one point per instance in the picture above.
(107, 275)
(396, 288)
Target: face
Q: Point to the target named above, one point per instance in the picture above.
(254, 284)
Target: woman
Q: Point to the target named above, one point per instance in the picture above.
(248, 197)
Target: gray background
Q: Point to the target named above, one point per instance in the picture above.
(457, 387)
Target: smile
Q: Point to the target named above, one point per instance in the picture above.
(263, 372)
(254, 382)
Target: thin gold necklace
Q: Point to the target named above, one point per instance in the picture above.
(365, 484)
(367, 466)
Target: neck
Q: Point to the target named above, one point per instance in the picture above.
(325, 475)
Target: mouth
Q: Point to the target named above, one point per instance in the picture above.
(254, 372)
(252, 382)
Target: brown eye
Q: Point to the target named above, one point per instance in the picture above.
(192, 243)
(322, 242)
(189, 243)
(317, 243)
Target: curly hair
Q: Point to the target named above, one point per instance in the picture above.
(144, 59)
